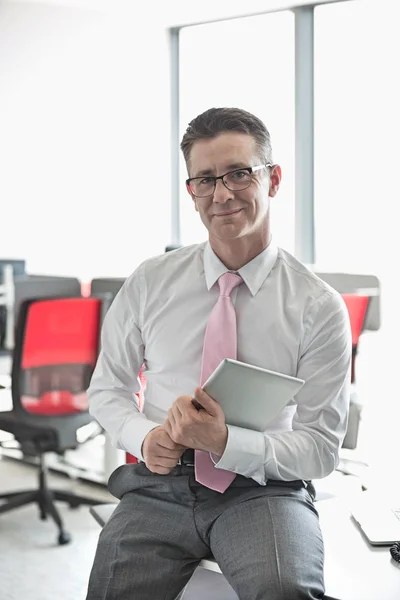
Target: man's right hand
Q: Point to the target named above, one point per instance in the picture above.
(160, 453)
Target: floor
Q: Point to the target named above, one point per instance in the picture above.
(29, 546)
(52, 571)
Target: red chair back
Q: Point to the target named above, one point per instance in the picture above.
(59, 350)
(357, 307)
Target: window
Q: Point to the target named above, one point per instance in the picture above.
(263, 48)
(357, 132)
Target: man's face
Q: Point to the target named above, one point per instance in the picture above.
(231, 214)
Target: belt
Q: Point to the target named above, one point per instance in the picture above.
(187, 458)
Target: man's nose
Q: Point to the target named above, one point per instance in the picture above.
(221, 192)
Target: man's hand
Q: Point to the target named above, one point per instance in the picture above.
(203, 429)
(160, 452)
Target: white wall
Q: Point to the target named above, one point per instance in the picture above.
(85, 129)
(84, 121)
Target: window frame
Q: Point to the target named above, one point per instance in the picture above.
(304, 127)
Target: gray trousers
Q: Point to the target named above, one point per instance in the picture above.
(266, 539)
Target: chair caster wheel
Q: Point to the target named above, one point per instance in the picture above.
(64, 538)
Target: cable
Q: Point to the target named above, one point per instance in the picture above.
(395, 552)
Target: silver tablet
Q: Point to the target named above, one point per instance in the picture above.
(250, 396)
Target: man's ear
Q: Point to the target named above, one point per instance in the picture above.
(275, 180)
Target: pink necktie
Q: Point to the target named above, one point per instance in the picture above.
(220, 342)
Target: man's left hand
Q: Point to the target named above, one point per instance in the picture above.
(203, 429)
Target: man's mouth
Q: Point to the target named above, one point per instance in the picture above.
(227, 213)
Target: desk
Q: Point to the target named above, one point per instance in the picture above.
(354, 570)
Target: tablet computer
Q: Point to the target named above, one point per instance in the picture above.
(377, 516)
(250, 396)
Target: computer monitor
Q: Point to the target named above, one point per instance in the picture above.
(18, 266)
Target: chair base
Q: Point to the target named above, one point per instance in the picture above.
(45, 499)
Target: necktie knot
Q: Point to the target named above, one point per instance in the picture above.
(227, 282)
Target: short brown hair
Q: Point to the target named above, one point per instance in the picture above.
(214, 121)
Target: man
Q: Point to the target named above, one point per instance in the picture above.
(241, 494)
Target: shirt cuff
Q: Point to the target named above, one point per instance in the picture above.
(134, 433)
(244, 454)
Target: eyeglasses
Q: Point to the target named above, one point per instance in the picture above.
(234, 181)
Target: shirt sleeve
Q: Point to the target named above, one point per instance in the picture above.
(115, 380)
(311, 449)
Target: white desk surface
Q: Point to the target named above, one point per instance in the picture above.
(354, 570)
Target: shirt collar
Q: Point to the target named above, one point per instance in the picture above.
(254, 273)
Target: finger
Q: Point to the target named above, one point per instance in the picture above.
(159, 470)
(167, 427)
(180, 448)
(176, 415)
(171, 417)
(165, 461)
(168, 444)
(173, 449)
(208, 403)
(165, 440)
(180, 406)
(164, 453)
(170, 425)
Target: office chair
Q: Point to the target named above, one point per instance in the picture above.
(55, 352)
(357, 307)
(365, 315)
(18, 265)
(18, 269)
(34, 286)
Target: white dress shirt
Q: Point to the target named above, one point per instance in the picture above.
(288, 320)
